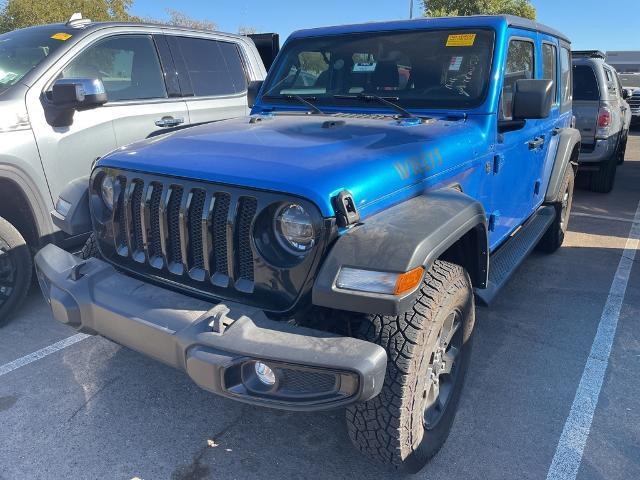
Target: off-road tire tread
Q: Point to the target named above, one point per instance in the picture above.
(380, 428)
(90, 248)
(25, 269)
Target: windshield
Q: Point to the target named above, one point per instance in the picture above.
(22, 50)
(440, 69)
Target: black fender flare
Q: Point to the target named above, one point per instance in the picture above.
(408, 235)
(569, 138)
(78, 219)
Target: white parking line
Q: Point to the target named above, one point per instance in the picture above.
(43, 352)
(568, 456)
(602, 217)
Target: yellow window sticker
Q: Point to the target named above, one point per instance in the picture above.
(461, 40)
(61, 36)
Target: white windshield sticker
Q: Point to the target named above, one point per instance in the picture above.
(365, 67)
(455, 64)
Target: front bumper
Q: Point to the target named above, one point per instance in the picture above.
(216, 345)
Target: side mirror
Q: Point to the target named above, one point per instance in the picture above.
(627, 93)
(71, 94)
(532, 99)
(252, 91)
(78, 93)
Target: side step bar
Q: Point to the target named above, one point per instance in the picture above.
(506, 260)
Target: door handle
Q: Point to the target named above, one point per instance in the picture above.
(168, 122)
(536, 143)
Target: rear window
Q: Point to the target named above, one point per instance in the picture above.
(585, 85)
(215, 67)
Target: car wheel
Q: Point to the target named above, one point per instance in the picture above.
(602, 181)
(90, 248)
(16, 267)
(428, 350)
(554, 236)
(623, 152)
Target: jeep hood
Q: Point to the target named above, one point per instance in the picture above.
(313, 156)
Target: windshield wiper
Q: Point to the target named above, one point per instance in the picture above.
(304, 100)
(366, 97)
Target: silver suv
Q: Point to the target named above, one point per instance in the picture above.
(603, 117)
(70, 93)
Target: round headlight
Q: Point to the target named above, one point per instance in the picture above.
(294, 228)
(106, 191)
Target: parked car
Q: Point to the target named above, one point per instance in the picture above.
(70, 93)
(325, 251)
(631, 81)
(603, 117)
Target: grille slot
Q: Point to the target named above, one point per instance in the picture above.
(121, 215)
(136, 215)
(173, 225)
(246, 213)
(219, 232)
(196, 208)
(155, 245)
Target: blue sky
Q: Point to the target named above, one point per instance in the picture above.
(590, 24)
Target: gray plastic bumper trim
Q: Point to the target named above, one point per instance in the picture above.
(197, 337)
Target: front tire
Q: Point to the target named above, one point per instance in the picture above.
(428, 350)
(90, 248)
(16, 266)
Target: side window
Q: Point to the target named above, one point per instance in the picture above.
(214, 67)
(127, 65)
(566, 84)
(549, 67)
(520, 65)
(611, 84)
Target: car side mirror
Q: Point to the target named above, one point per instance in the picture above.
(69, 95)
(78, 93)
(252, 91)
(532, 99)
(627, 93)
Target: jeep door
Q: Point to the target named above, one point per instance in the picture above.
(213, 76)
(517, 155)
(551, 67)
(138, 103)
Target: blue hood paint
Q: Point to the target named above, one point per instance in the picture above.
(379, 161)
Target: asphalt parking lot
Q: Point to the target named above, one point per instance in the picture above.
(97, 410)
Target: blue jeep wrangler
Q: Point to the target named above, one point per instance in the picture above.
(327, 251)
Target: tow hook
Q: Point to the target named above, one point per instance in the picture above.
(76, 272)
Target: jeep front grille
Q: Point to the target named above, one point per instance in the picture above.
(634, 101)
(187, 231)
(200, 236)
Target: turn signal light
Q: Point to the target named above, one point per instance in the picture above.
(408, 281)
(379, 282)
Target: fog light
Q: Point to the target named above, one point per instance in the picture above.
(265, 374)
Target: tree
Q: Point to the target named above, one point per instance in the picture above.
(247, 30)
(25, 13)
(181, 19)
(448, 8)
